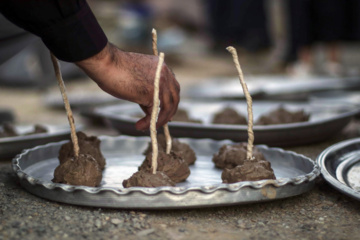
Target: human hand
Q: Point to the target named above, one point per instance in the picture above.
(130, 76)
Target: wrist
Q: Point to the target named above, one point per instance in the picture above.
(101, 59)
(102, 66)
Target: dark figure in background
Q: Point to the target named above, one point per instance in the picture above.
(320, 21)
(238, 22)
(71, 32)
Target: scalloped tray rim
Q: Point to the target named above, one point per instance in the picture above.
(233, 187)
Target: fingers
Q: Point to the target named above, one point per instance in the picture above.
(169, 97)
(176, 83)
(169, 100)
(143, 124)
(167, 109)
(146, 110)
(164, 117)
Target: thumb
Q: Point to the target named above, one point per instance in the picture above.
(144, 123)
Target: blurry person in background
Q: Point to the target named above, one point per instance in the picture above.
(71, 32)
(238, 22)
(325, 22)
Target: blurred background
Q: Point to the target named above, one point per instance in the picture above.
(285, 40)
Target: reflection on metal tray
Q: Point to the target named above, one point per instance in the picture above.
(336, 98)
(324, 122)
(10, 146)
(340, 166)
(270, 87)
(295, 175)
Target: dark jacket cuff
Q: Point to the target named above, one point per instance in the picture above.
(76, 37)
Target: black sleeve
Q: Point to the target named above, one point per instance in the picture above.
(67, 27)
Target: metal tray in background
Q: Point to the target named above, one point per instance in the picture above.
(337, 98)
(269, 87)
(10, 146)
(340, 166)
(325, 122)
(34, 167)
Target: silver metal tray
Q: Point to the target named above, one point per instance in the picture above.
(340, 166)
(336, 98)
(34, 167)
(269, 87)
(325, 122)
(10, 146)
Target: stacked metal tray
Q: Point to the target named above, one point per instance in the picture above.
(325, 121)
(269, 87)
(340, 166)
